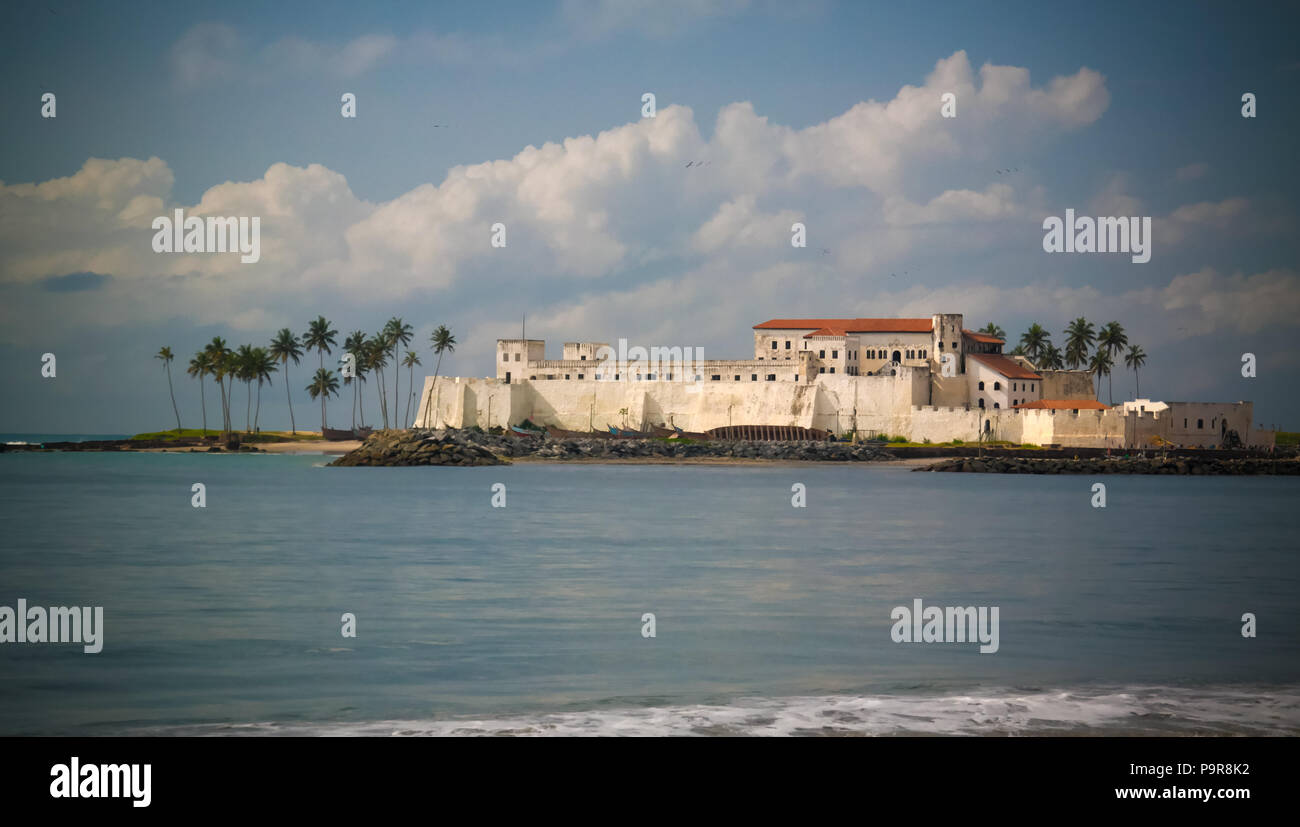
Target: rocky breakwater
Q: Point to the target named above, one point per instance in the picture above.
(1194, 466)
(418, 447)
(467, 447)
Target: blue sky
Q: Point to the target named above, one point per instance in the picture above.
(825, 113)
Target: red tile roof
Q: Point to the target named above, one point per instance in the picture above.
(826, 331)
(1007, 367)
(1063, 405)
(983, 337)
(850, 325)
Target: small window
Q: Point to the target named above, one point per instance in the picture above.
(835, 354)
(996, 405)
(616, 377)
(753, 377)
(941, 346)
(534, 377)
(583, 357)
(771, 377)
(516, 357)
(649, 377)
(954, 345)
(582, 376)
(821, 354)
(566, 376)
(505, 357)
(717, 377)
(670, 377)
(737, 377)
(981, 403)
(821, 370)
(997, 386)
(1013, 386)
(1200, 424)
(787, 344)
(774, 344)
(981, 386)
(1184, 424)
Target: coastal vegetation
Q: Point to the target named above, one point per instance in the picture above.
(249, 363)
(1081, 337)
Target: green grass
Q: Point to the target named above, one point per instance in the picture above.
(197, 433)
(1288, 438)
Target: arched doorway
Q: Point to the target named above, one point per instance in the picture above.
(986, 426)
(898, 357)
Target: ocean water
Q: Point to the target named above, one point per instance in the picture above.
(527, 619)
(36, 439)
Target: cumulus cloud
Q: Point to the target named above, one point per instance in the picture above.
(586, 209)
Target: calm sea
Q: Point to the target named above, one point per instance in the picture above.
(528, 619)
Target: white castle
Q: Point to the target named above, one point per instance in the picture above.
(923, 378)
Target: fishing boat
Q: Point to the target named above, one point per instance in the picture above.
(339, 435)
(517, 431)
(624, 433)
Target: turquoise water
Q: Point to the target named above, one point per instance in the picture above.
(770, 619)
(36, 439)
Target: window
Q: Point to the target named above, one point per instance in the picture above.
(787, 344)
(566, 376)
(717, 377)
(996, 405)
(516, 357)
(582, 376)
(981, 403)
(505, 357)
(771, 377)
(1200, 424)
(954, 345)
(616, 377)
(670, 377)
(1013, 386)
(774, 344)
(534, 377)
(941, 346)
(981, 386)
(832, 370)
(821, 354)
(835, 354)
(649, 377)
(821, 370)
(737, 377)
(1184, 424)
(753, 377)
(583, 357)
(997, 386)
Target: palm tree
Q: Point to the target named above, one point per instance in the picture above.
(263, 365)
(1100, 365)
(399, 335)
(377, 360)
(244, 372)
(1112, 339)
(165, 354)
(1136, 358)
(324, 385)
(443, 342)
(1079, 336)
(355, 344)
(285, 346)
(1018, 350)
(410, 361)
(991, 329)
(217, 352)
(200, 367)
(1034, 341)
(1051, 359)
(320, 336)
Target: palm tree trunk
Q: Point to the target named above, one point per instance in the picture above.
(292, 424)
(203, 403)
(173, 395)
(361, 401)
(410, 383)
(258, 416)
(355, 381)
(397, 376)
(248, 409)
